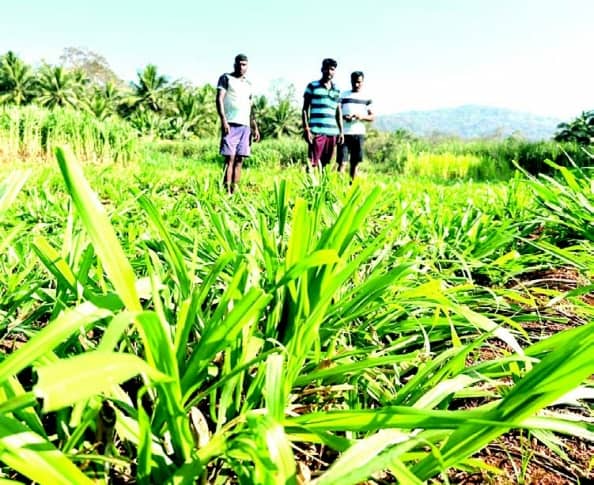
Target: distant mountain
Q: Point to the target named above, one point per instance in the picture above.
(471, 121)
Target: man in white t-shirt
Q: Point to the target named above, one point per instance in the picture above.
(234, 106)
(356, 109)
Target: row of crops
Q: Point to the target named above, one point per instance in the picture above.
(156, 330)
(32, 133)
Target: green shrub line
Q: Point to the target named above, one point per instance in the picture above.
(32, 133)
(402, 152)
(446, 160)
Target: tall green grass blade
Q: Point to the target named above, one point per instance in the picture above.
(99, 228)
(221, 333)
(54, 263)
(11, 186)
(14, 399)
(173, 252)
(161, 356)
(35, 457)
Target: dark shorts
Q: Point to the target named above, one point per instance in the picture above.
(237, 141)
(351, 149)
(321, 150)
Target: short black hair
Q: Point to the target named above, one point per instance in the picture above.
(357, 74)
(329, 62)
(240, 57)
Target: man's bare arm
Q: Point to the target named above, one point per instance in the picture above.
(221, 110)
(305, 118)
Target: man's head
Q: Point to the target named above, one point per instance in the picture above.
(328, 68)
(240, 66)
(357, 78)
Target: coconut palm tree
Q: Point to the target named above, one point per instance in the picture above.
(17, 83)
(57, 87)
(82, 82)
(208, 122)
(281, 119)
(103, 101)
(150, 124)
(150, 90)
(97, 105)
(185, 111)
(260, 108)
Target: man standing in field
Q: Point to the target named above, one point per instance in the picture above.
(234, 106)
(356, 108)
(321, 116)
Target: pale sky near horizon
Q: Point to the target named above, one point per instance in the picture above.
(529, 55)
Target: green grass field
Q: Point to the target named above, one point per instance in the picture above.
(413, 327)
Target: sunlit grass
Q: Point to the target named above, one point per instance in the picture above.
(232, 330)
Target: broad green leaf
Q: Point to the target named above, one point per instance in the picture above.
(35, 457)
(51, 336)
(365, 458)
(76, 378)
(276, 389)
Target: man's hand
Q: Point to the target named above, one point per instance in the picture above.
(256, 135)
(340, 139)
(226, 128)
(308, 135)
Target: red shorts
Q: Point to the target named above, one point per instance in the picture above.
(321, 149)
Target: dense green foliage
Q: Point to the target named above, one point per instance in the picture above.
(155, 106)
(160, 108)
(579, 130)
(32, 133)
(225, 337)
(480, 159)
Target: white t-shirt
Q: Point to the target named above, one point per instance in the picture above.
(354, 103)
(238, 98)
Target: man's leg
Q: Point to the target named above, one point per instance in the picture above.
(356, 154)
(228, 149)
(243, 151)
(328, 150)
(236, 171)
(342, 155)
(353, 171)
(228, 174)
(315, 152)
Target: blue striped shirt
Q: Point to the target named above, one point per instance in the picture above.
(322, 111)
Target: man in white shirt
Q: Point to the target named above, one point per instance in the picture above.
(356, 108)
(234, 106)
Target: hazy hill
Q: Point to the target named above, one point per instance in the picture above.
(471, 121)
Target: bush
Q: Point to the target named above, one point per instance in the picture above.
(490, 159)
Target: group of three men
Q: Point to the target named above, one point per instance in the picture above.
(330, 119)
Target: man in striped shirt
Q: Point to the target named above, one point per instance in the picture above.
(321, 116)
(356, 108)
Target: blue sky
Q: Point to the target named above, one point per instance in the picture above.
(528, 55)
